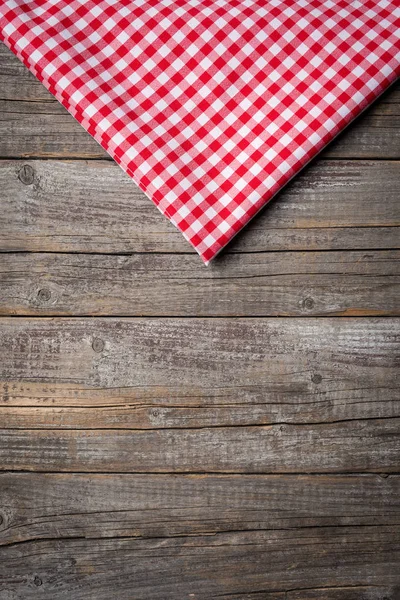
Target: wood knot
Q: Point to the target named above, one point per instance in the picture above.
(308, 303)
(316, 378)
(98, 345)
(44, 295)
(26, 175)
(37, 581)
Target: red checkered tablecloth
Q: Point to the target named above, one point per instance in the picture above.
(211, 106)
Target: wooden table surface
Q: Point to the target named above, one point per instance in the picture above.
(171, 431)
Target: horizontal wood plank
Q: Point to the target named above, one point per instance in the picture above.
(41, 505)
(45, 129)
(356, 592)
(336, 592)
(32, 124)
(241, 358)
(18, 83)
(266, 284)
(203, 567)
(346, 447)
(49, 406)
(177, 373)
(81, 206)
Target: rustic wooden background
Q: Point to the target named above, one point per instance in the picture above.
(171, 431)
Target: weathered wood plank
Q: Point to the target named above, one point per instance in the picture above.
(345, 447)
(18, 83)
(260, 284)
(31, 124)
(45, 129)
(85, 408)
(81, 206)
(38, 506)
(357, 592)
(367, 136)
(171, 373)
(354, 592)
(189, 354)
(203, 567)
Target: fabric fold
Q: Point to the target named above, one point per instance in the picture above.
(211, 106)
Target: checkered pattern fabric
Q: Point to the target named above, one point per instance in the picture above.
(211, 106)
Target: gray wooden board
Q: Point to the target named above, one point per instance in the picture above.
(356, 592)
(92, 206)
(171, 373)
(202, 566)
(337, 592)
(18, 83)
(276, 284)
(34, 124)
(351, 446)
(45, 129)
(42, 505)
(242, 358)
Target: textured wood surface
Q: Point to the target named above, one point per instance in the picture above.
(203, 566)
(43, 128)
(42, 505)
(287, 283)
(353, 446)
(250, 455)
(177, 373)
(332, 205)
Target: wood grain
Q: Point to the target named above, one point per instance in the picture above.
(266, 284)
(81, 206)
(34, 124)
(244, 358)
(346, 447)
(203, 567)
(62, 406)
(339, 592)
(177, 373)
(46, 130)
(45, 505)
(356, 592)
(37, 127)
(17, 82)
